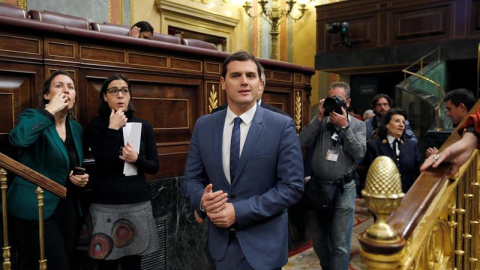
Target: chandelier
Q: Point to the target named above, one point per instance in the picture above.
(275, 15)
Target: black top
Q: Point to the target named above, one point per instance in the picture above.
(110, 185)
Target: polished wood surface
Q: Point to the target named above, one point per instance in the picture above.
(33, 176)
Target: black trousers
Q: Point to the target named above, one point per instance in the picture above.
(60, 237)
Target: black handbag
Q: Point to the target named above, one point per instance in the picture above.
(319, 195)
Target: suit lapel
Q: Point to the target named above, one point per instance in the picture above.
(253, 133)
(388, 149)
(58, 142)
(77, 140)
(217, 139)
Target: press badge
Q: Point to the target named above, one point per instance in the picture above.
(332, 155)
(335, 136)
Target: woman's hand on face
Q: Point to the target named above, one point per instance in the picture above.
(117, 120)
(128, 154)
(57, 103)
(78, 180)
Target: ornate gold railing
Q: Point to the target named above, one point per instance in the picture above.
(436, 223)
(420, 64)
(42, 182)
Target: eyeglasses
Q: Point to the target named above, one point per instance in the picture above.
(114, 91)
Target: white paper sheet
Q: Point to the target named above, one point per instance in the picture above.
(132, 133)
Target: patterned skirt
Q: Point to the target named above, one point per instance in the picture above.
(122, 230)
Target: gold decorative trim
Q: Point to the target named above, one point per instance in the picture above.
(212, 99)
(109, 11)
(120, 11)
(298, 111)
(22, 4)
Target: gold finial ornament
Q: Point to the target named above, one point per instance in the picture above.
(382, 195)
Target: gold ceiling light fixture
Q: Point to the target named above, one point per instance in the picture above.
(275, 15)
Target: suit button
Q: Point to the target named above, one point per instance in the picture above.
(232, 197)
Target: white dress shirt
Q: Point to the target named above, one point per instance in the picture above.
(247, 118)
(390, 139)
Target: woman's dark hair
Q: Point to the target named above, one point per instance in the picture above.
(382, 129)
(47, 84)
(144, 26)
(103, 107)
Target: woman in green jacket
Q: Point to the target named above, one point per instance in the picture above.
(49, 142)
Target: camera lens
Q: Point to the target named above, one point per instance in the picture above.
(334, 103)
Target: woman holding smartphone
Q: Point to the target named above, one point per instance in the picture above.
(122, 218)
(49, 142)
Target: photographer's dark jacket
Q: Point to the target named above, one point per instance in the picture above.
(352, 146)
(110, 185)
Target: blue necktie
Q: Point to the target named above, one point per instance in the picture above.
(235, 147)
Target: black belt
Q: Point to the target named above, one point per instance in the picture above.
(232, 233)
(347, 178)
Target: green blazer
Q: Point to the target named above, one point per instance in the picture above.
(40, 148)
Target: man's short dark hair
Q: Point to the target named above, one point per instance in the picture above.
(460, 95)
(379, 96)
(144, 26)
(241, 56)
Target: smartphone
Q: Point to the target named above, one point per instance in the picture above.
(79, 171)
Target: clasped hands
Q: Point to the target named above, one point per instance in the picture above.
(219, 211)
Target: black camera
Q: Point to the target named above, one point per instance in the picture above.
(334, 104)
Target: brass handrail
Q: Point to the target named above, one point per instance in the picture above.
(6, 247)
(42, 262)
(32, 176)
(441, 91)
(42, 182)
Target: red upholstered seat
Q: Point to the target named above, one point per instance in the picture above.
(12, 11)
(111, 28)
(60, 19)
(198, 43)
(166, 38)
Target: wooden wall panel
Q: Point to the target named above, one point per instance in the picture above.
(379, 23)
(421, 24)
(19, 45)
(15, 96)
(475, 15)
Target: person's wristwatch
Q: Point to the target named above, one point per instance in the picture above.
(344, 128)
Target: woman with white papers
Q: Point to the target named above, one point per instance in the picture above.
(124, 149)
